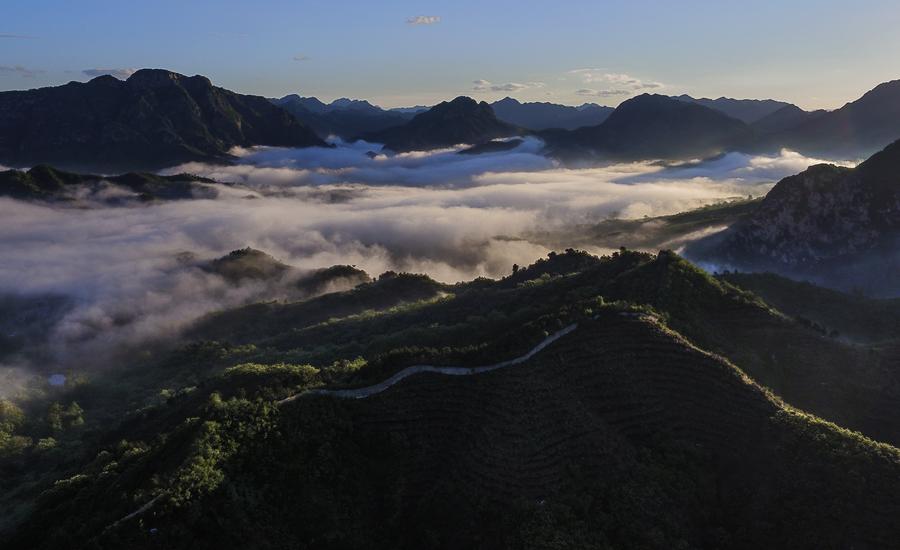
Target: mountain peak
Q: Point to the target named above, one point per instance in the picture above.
(154, 77)
(104, 80)
(462, 101)
(462, 120)
(657, 102)
(158, 78)
(136, 124)
(654, 126)
(508, 101)
(356, 104)
(856, 130)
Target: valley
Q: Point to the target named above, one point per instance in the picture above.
(597, 276)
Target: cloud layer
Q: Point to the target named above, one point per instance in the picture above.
(449, 215)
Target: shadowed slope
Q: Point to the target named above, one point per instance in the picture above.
(156, 118)
(619, 434)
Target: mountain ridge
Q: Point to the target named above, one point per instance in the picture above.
(748, 111)
(345, 118)
(858, 129)
(546, 115)
(460, 121)
(153, 119)
(652, 126)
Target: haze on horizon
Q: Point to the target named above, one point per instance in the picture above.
(816, 54)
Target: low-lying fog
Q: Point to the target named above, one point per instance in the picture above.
(452, 216)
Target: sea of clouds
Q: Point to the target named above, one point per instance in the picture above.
(452, 216)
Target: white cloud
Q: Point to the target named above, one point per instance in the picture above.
(17, 36)
(508, 87)
(614, 84)
(424, 20)
(445, 214)
(24, 72)
(482, 85)
(121, 74)
(601, 93)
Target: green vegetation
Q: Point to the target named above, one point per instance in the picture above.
(829, 311)
(247, 263)
(644, 428)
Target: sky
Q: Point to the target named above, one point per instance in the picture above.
(816, 54)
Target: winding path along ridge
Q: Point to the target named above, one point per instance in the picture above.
(362, 393)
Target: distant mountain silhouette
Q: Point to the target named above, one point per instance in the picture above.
(652, 126)
(462, 120)
(542, 116)
(856, 130)
(311, 104)
(745, 110)
(410, 110)
(786, 118)
(839, 226)
(155, 118)
(345, 118)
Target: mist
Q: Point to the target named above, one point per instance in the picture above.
(455, 217)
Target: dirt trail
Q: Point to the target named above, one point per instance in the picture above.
(362, 393)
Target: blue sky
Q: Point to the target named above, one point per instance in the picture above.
(818, 54)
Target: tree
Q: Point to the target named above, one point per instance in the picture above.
(11, 416)
(74, 415)
(55, 418)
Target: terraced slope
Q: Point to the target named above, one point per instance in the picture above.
(584, 411)
(853, 385)
(619, 434)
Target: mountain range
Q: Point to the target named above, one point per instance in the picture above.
(462, 120)
(657, 127)
(153, 119)
(747, 111)
(159, 118)
(544, 115)
(344, 118)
